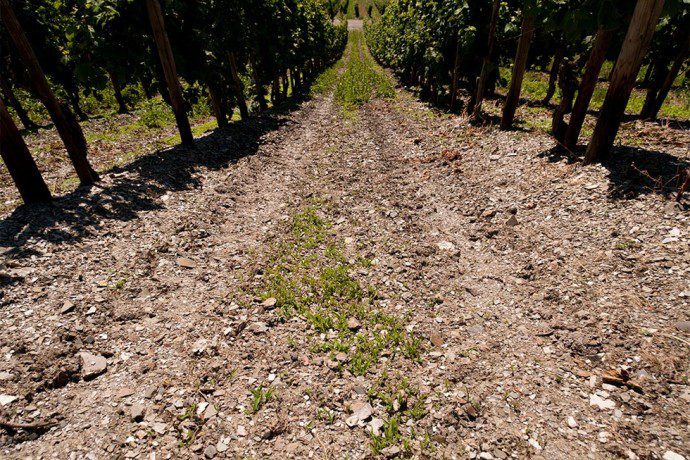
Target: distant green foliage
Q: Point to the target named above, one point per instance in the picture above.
(86, 48)
(363, 79)
(362, 9)
(426, 42)
(419, 40)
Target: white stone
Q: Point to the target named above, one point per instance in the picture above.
(7, 399)
(446, 246)
(534, 443)
(670, 455)
(601, 403)
(572, 423)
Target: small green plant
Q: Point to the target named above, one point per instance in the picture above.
(326, 415)
(627, 244)
(155, 114)
(426, 443)
(310, 277)
(412, 348)
(260, 396)
(364, 262)
(189, 412)
(390, 435)
(186, 439)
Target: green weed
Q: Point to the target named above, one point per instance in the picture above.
(260, 396)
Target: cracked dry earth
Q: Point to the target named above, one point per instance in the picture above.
(550, 319)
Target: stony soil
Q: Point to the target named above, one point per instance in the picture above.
(550, 299)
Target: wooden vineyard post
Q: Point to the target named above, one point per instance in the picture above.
(653, 111)
(637, 39)
(19, 162)
(476, 106)
(553, 75)
(596, 59)
(260, 91)
(217, 104)
(13, 102)
(238, 86)
(519, 67)
(169, 71)
(65, 122)
(567, 82)
(117, 90)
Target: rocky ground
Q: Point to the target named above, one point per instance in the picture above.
(393, 283)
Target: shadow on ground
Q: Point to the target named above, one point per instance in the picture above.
(632, 171)
(135, 187)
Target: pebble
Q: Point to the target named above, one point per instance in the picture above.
(436, 339)
(150, 391)
(160, 427)
(446, 246)
(683, 326)
(258, 327)
(124, 392)
(186, 263)
(210, 412)
(353, 324)
(222, 445)
(375, 426)
(601, 403)
(391, 451)
(362, 410)
(67, 307)
(201, 407)
(270, 302)
(210, 451)
(512, 221)
(92, 365)
(498, 453)
(352, 421)
(572, 423)
(7, 399)
(137, 412)
(670, 455)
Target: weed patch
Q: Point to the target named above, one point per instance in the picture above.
(363, 80)
(311, 278)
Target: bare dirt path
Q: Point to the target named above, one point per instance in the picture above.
(524, 279)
